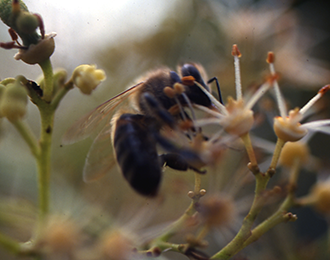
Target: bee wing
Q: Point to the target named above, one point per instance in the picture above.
(100, 158)
(86, 125)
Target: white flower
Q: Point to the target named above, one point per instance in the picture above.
(236, 117)
(287, 126)
(87, 78)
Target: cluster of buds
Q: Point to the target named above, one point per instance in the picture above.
(35, 47)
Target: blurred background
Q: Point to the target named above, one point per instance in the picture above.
(128, 38)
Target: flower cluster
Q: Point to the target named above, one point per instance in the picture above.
(190, 137)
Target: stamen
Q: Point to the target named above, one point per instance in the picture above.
(279, 98)
(257, 95)
(311, 102)
(236, 53)
(215, 102)
(185, 97)
(210, 111)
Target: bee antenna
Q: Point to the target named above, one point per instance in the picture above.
(218, 87)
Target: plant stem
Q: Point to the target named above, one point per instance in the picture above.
(47, 70)
(9, 244)
(245, 232)
(249, 148)
(179, 223)
(276, 155)
(28, 136)
(43, 161)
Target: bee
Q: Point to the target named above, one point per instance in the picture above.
(135, 130)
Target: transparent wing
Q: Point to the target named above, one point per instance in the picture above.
(86, 125)
(100, 158)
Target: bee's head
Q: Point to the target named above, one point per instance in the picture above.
(195, 94)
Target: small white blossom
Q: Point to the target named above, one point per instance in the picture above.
(87, 78)
(236, 117)
(287, 126)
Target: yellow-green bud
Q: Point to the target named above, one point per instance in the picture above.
(87, 78)
(13, 102)
(27, 22)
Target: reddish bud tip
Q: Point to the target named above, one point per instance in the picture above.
(16, 7)
(41, 25)
(324, 90)
(7, 45)
(235, 51)
(270, 57)
(13, 34)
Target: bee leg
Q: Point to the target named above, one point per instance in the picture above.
(218, 87)
(177, 162)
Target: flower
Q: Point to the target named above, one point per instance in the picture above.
(236, 117)
(287, 126)
(87, 78)
(263, 25)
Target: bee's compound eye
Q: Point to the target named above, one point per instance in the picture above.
(174, 77)
(190, 70)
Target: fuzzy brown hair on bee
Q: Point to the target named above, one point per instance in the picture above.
(136, 133)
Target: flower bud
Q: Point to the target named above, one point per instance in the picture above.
(116, 246)
(7, 12)
(321, 194)
(217, 210)
(37, 53)
(27, 22)
(293, 151)
(87, 78)
(60, 235)
(13, 101)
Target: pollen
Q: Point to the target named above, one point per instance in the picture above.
(169, 92)
(188, 80)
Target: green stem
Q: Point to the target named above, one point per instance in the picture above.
(61, 93)
(179, 223)
(28, 136)
(249, 148)
(281, 215)
(44, 160)
(9, 244)
(245, 232)
(47, 70)
(276, 155)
